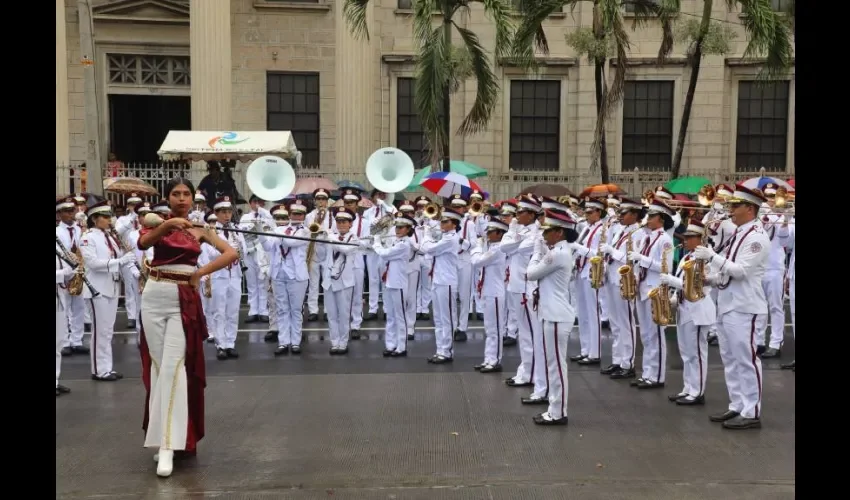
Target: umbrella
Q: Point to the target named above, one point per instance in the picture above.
(363, 203)
(445, 184)
(759, 182)
(127, 185)
(349, 184)
(601, 190)
(306, 185)
(686, 185)
(793, 183)
(463, 168)
(547, 190)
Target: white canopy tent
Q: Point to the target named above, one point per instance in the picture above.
(225, 145)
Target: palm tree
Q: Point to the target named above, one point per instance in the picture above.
(607, 37)
(769, 36)
(442, 67)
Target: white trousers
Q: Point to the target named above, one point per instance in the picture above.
(289, 300)
(603, 307)
(774, 291)
(316, 273)
(61, 335)
(395, 338)
(511, 327)
(737, 335)
(374, 269)
(713, 328)
(88, 312)
(357, 297)
(538, 365)
(227, 294)
(131, 293)
(654, 364)
(423, 294)
(621, 316)
(463, 294)
(258, 300)
(338, 307)
(589, 319)
(573, 296)
(168, 407)
(526, 344)
(555, 338)
(693, 347)
(791, 287)
(444, 319)
(103, 327)
(495, 313)
(411, 301)
(75, 312)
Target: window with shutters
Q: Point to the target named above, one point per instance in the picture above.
(762, 128)
(292, 103)
(535, 125)
(647, 125)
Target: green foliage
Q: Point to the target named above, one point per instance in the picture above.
(717, 41)
(584, 42)
(460, 64)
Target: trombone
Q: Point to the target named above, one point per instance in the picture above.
(432, 211)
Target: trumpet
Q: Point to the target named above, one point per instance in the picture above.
(780, 200)
(432, 211)
(476, 209)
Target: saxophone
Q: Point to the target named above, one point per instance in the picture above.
(75, 284)
(660, 296)
(597, 262)
(693, 277)
(628, 283)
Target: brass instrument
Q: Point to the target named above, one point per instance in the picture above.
(706, 195)
(315, 229)
(659, 296)
(597, 262)
(476, 209)
(780, 200)
(432, 211)
(693, 276)
(75, 284)
(628, 283)
(648, 196)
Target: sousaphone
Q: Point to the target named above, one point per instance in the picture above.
(271, 178)
(390, 170)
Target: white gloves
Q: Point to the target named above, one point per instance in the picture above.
(606, 248)
(712, 279)
(674, 300)
(127, 258)
(68, 272)
(665, 279)
(704, 253)
(135, 272)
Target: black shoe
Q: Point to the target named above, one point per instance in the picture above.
(722, 417)
(605, 324)
(739, 423)
(588, 361)
(608, 370)
(410, 336)
(460, 336)
(491, 369)
(112, 377)
(508, 341)
(271, 336)
(313, 317)
(296, 349)
(479, 316)
(232, 353)
(80, 349)
(86, 327)
(388, 352)
(354, 335)
(635, 382)
(577, 357)
(511, 383)
(263, 318)
(623, 374)
(441, 360)
(789, 366)
(760, 350)
(478, 367)
(61, 389)
(673, 397)
(541, 420)
(221, 354)
(771, 353)
(334, 351)
(712, 340)
(534, 401)
(396, 354)
(252, 319)
(281, 350)
(131, 324)
(689, 401)
(646, 384)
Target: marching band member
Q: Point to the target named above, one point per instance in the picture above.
(207, 256)
(423, 293)
(103, 260)
(321, 215)
(622, 317)
(774, 281)
(396, 259)
(126, 224)
(722, 230)
(64, 272)
(359, 228)
(281, 219)
(227, 283)
(443, 246)
(664, 194)
(413, 269)
(740, 305)
(338, 280)
(199, 211)
(692, 322)
(289, 279)
(551, 266)
(173, 329)
(791, 279)
(518, 246)
(490, 290)
(480, 222)
(507, 211)
(256, 261)
(467, 236)
(379, 209)
(68, 232)
(589, 316)
(657, 246)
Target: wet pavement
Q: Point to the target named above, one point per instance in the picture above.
(366, 427)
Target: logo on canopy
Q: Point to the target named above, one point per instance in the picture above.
(228, 139)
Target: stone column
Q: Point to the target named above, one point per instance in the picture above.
(63, 147)
(357, 80)
(211, 64)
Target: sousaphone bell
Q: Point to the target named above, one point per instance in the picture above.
(271, 178)
(390, 170)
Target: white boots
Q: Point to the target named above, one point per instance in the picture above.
(165, 462)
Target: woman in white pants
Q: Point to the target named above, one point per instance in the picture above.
(490, 291)
(63, 273)
(396, 256)
(174, 328)
(338, 280)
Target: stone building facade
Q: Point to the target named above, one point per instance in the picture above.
(269, 64)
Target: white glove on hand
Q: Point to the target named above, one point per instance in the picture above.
(127, 258)
(665, 279)
(635, 256)
(704, 253)
(135, 272)
(712, 279)
(606, 248)
(68, 272)
(674, 300)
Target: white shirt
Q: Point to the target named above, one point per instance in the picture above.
(654, 246)
(65, 231)
(338, 268)
(518, 246)
(288, 257)
(552, 270)
(588, 245)
(397, 258)
(778, 243)
(467, 238)
(620, 249)
(492, 264)
(237, 242)
(445, 250)
(103, 269)
(740, 287)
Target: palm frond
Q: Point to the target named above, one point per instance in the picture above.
(354, 13)
(432, 76)
(422, 24)
(529, 34)
(770, 37)
(488, 87)
(499, 12)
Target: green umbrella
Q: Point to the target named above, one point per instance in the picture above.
(463, 168)
(686, 185)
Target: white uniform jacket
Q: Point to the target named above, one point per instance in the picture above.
(286, 255)
(103, 267)
(359, 229)
(237, 242)
(492, 263)
(741, 271)
(619, 249)
(650, 266)
(553, 269)
(702, 312)
(588, 245)
(445, 258)
(339, 263)
(63, 231)
(467, 237)
(397, 258)
(518, 245)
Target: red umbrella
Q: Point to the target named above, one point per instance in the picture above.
(793, 183)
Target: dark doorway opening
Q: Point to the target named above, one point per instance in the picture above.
(139, 123)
